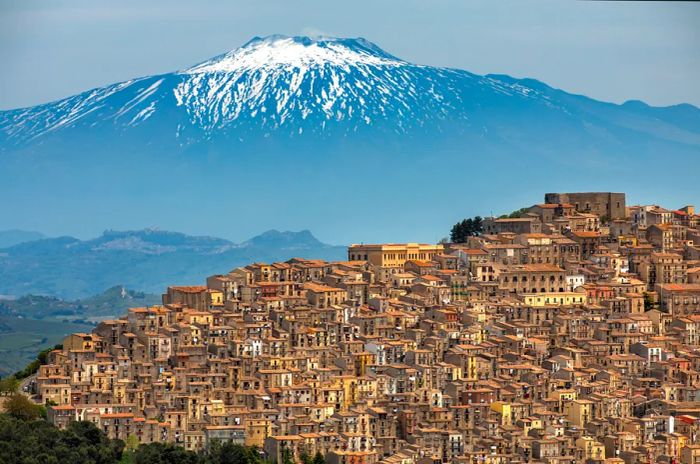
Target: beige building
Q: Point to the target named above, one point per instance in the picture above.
(522, 225)
(532, 278)
(393, 254)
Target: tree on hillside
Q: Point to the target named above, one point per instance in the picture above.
(38, 442)
(41, 359)
(20, 407)
(8, 385)
(132, 442)
(164, 453)
(470, 227)
(231, 453)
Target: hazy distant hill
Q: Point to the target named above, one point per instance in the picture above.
(144, 260)
(12, 237)
(112, 302)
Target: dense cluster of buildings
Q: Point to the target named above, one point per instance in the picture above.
(568, 334)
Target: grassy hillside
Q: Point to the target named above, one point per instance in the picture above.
(33, 323)
(21, 339)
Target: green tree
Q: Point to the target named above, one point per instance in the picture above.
(20, 407)
(41, 359)
(318, 458)
(229, 453)
(649, 303)
(132, 442)
(38, 442)
(515, 214)
(305, 458)
(466, 228)
(9, 385)
(287, 457)
(477, 225)
(164, 453)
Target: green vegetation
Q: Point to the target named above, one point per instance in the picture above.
(8, 385)
(32, 323)
(218, 453)
(466, 228)
(22, 408)
(24, 338)
(25, 441)
(649, 302)
(112, 302)
(515, 214)
(40, 360)
(287, 457)
(307, 459)
(163, 453)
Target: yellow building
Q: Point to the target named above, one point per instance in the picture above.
(553, 299)
(323, 296)
(592, 449)
(256, 431)
(362, 360)
(530, 423)
(690, 454)
(215, 298)
(393, 254)
(579, 412)
(562, 397)
(59, 393)
(79, 341)
(505, 410)
(470, 372)
(350, 390)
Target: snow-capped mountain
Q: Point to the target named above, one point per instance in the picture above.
(276, 84)
(300, 133)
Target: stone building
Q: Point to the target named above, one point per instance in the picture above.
(604, 204)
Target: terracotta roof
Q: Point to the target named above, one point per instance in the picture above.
(190, 289)
(314, 287)
(586, 234)
(554, 205)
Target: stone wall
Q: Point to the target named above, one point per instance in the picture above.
(607, 204)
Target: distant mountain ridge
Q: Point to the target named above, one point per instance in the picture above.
(15, 236)
(145, 260)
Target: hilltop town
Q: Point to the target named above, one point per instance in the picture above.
(569, 332)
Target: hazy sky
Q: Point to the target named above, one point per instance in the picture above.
(612, 51)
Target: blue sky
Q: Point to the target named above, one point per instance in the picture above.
(613, 51)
